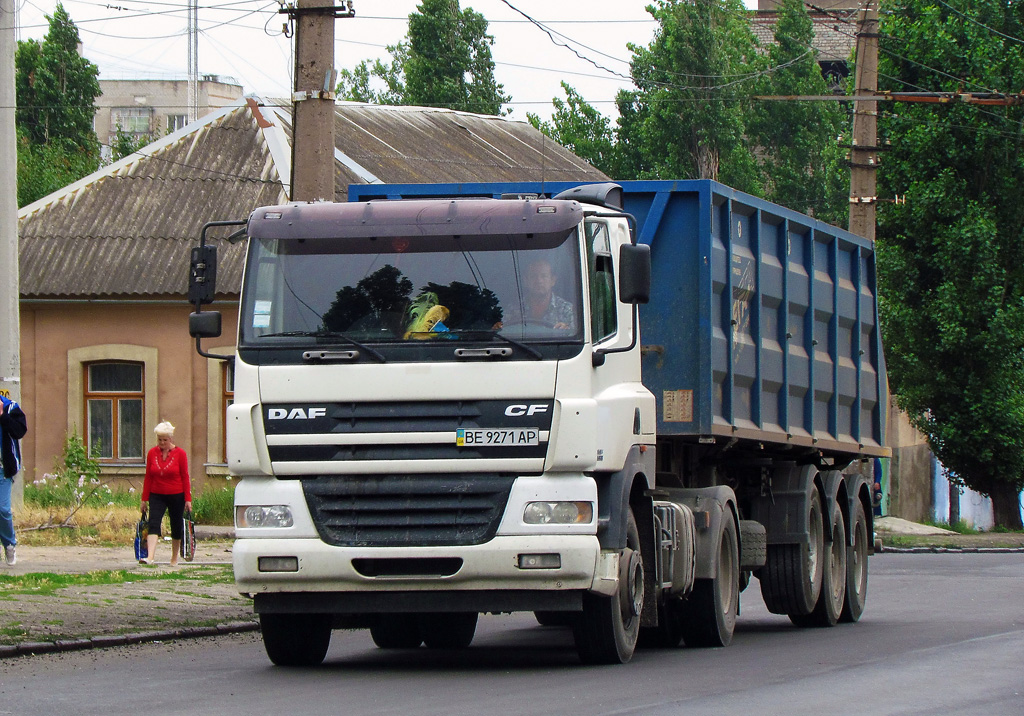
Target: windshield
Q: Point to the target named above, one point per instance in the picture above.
(418, 288)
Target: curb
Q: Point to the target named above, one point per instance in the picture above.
(30, 648)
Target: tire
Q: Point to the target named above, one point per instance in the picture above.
(833, 583)
(396, 631)
(296, 639)
(857, 567)
(607, 630)
(792, 575)
(709, 617)
(448, 630)
(669, 632)
(554, 619)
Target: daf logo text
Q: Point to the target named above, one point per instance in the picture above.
(296, 413)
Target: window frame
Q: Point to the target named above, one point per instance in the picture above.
(114, 397)
(129, 119)
(112, 353)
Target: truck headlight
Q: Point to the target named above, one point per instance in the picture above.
(558, 513)
(263, 516)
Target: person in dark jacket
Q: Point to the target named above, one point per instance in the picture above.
(13, 427)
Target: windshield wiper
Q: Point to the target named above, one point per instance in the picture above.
(501, 337)
(328, 334)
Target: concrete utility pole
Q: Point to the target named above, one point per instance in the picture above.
(193, 60)
(10, 324)
(864, 152)
(313, 99)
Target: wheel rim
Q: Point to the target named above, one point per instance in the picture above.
(726, 587)
(837, 566)
(815, 534)
(631, 598)
(858, 557)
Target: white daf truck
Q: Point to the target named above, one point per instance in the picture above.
(612, 405)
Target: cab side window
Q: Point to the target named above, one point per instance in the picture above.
(602, 280)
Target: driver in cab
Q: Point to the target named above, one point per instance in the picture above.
(540, 302)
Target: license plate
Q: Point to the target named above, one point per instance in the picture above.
(497, 437)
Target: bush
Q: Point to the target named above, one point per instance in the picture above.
(214, 506)
(75, 482)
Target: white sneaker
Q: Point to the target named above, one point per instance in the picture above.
(9, 554)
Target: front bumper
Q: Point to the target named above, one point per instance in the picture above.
(493, 566)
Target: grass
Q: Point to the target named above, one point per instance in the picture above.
(960, 527)
(50, 517)
(48, 583)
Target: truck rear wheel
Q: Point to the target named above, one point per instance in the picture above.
(792, 574)
(453, 630)
(607, 630)
(554, 619)
(296, 639)
(857, 567)
(833, 583)
(669, 631)
(709, 616)
(396, 631)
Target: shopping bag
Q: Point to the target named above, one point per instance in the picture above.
(141, 533)
(188, 538)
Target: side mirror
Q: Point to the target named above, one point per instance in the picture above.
(634, 273)
(204, 325)
(202, 276)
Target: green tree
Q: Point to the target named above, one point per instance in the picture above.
(56, 95)
(445, 61)
(686, 117)
(951, 259)
(126, 143)
(798, 148)
(583, 130)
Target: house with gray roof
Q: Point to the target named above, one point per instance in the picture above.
(104, 263)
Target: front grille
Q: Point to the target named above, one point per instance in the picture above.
(407, 511)
(296, 432)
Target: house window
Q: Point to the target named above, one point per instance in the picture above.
(114, 399)
(176, 122)
(131, 120)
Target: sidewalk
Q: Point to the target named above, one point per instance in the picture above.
(43, 613)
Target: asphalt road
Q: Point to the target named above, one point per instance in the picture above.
(942, 634)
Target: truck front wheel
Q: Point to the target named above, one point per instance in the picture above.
(709, 615)
(296, 639)
(607, 630)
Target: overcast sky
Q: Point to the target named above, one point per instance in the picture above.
(243, 40)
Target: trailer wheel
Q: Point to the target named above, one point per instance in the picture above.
(833, 584)
(792, 574)
(856, 567)
(396, 631)
(607, 630)
(296, 639)
(453, 630)
(709, 618)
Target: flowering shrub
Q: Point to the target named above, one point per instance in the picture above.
(75, 482)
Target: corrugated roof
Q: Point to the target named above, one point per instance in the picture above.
(126, 230)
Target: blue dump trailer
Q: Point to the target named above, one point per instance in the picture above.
(614, 405)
